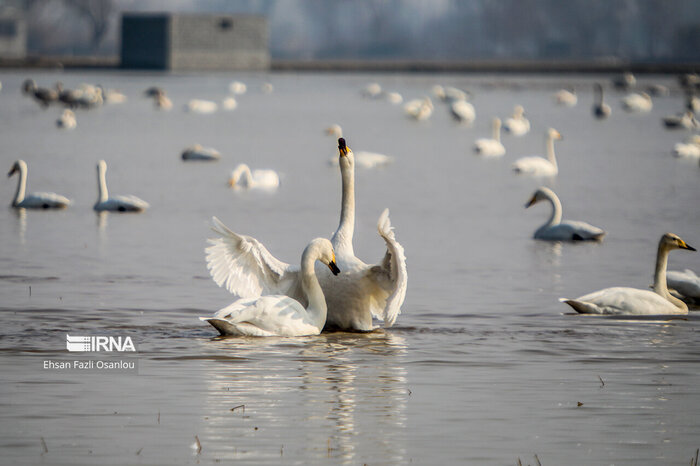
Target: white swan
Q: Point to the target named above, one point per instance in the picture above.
(556, 229)
(126, 203)
(566, 97)
(517, 125)
(686, 120)
(690, 149)
(67, 120)
(199, 152)
(280, 315)
(243, 177)
(491, 147)
(162, 102)
(685, 283)
(463, 111)
(244, 267)
(419, 109)
(633, 301)
(237, 87)
(372, 90)
(625, 81)
(363, 159)
(229, 103)
(637, 102)
(33, 200)
(201, 106)
(538, 166)
(601, 110)
(393, 98)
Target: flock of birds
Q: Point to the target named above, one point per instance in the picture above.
(276, 298)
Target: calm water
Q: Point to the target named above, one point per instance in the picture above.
(484, 364)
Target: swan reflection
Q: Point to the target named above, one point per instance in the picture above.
(334, 395)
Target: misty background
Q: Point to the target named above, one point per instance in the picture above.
(624, 30)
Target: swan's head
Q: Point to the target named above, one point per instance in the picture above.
(334, 130)
(496, 123)
(518, 111)
(28, 86)
(101, 166)
(18, 166)
(553, 134)
(321, 250)
(541, 194)
(347, 158)
(673, 241)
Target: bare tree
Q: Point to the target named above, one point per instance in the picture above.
(97, 13)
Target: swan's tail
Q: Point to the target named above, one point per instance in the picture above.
(224, 327)
(580, 307)
(397, 269)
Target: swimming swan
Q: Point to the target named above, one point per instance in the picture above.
(243, 177)
(419, 109)
(67, 120)
(462, 111)
(685, 283)
(633, 301)
(690, 149)
(246, 268)
(199, 152)
(127, 203)
(601, 110)
(517, 125)
(33, 200)
(566, 97)
(363, 159)
(637, 103)
(280, 315)
(538, 166)
(557, 230)
(491, 147)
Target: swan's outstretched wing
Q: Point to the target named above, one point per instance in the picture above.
(392, 270)
(243, 266)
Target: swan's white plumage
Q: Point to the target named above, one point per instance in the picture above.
(67, 120)
(566, 98)
(517, 124)
(690, 149)
(637, 102)
(556, 229)
(128, 203)
(199, 152)
(38, 200)
(201, 106)
(538, 166)
(363, 159)
(419, 109)
(463, 111)
(491, 147)
(686, 283)
(243, 177)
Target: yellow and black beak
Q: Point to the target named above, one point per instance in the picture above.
(342, 148)
(532, 200)
(334, 268)
(683, 245)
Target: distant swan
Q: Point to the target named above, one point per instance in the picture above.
(67, 120)
(566, 97)
(463, 111)
(278, 314)
(201, 106)
(491, 147)
(686, 284)
(237, 87)
(243, 177)
(517, 125)
(127, 203)
(686, 120)
(33, 200)
(633, 301)
(637, 103)
(229, 103)
(538, 166)
(557, 229)
(199, 152)
(363, 159)
(601, 110)
(372, 90)
(419, 109)
(690, 149)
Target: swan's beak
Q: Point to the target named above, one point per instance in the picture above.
(342, 148)
(683, 245)
(231, 182)
(334, 268)
(532, 200)
(12, 172)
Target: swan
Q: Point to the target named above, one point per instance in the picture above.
(229, 103)
(685, 283)
(245, 268)
(278, 314)
(394, 98)
(242, 177)
(491, 147)
(67, 120)
(199, 152)
(463, 111)
(690, 149)
(237, 87)
(637, 102)
(557, 230)
(517, 125)
(686, 120)
(127, 203)
(162, 102)
(362, 158)
(372, 90)
(201, 106)
(419, 109)
(33, 200)
(601, 110)
(267, 88)
(113, 96)
(625, 81)
(538, 166)
(633, 301)
(566, 97)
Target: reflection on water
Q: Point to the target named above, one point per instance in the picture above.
(21, 215)
(344, 393)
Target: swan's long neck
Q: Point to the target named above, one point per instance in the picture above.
(243, 176)
(550, 151)
(21, 185)
(599, 96)
(342, 239)
(103, 195)
(660, 285)
(496, 131)
(317, 308)
(555, 218)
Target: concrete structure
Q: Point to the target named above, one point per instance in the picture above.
(13, 37)
(183, 42)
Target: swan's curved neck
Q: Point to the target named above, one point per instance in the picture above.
(555, 218)
(243, 175)
(599, 95)
(342, 239)
(660, 285)
(21, 185)
(496, 132)
(102, 184)
(317, 308)
(550, 151)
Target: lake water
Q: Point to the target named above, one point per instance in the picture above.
(484, 365)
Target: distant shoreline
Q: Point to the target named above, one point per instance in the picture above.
(389, 66)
